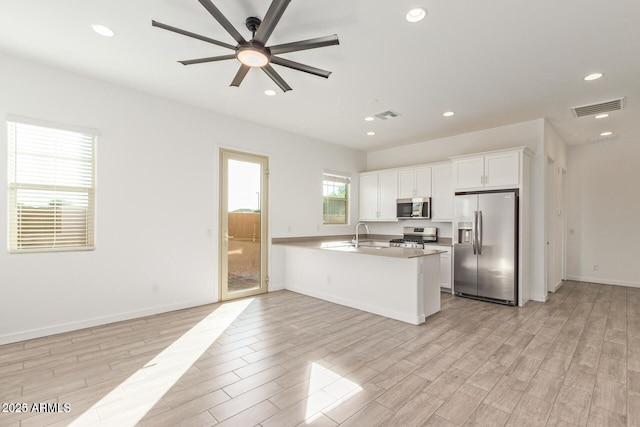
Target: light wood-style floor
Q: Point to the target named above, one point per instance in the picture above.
(290, 360)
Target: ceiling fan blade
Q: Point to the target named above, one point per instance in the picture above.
(222, 20)
(270, 20)
(244, 69)
(208, 59)
(300, 67)
(190, 34)
(304, 44)
(268, 69)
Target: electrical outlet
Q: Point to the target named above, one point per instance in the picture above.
(155, 289)
(289, 229)
(596, 267)
(328, 279)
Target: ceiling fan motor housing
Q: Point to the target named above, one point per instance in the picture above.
(253, 24)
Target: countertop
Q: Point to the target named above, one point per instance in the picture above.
(341, 244)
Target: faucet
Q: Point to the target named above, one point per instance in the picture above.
(357, 239)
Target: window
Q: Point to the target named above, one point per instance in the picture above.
(335, 192)
(51, 188)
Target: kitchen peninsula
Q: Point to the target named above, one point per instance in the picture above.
(399, 283)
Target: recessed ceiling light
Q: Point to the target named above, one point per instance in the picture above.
(416, 15)
(607, 133)
(270, 92)
(102, 30)
(448, 113)
(369, 119)
(371, 133)
(602, 116)
(594, 76)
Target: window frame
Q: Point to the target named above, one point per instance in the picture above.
(342, 177)
(13, 186)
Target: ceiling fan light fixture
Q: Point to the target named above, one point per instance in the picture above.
(416, 15)
(253, 58)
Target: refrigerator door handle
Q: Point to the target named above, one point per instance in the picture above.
(479, 232)
(475, 232)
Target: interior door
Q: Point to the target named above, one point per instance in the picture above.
(243, 224)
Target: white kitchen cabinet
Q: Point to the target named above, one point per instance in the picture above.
(414, 182)
(446, 278)
(378, 194)
(500, 169)
(442, 192)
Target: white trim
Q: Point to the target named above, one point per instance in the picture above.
(46, 123)
(601, 281)
(97, 321)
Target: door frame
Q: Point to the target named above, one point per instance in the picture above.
(224, 155)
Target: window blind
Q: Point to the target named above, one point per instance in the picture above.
(51, 188)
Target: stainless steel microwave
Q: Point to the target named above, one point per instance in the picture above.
(415, 208)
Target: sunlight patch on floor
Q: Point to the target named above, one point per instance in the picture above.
(128, 403)
(327, 390)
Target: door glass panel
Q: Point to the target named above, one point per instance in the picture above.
(244, 222)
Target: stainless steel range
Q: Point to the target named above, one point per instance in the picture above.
(415, 237)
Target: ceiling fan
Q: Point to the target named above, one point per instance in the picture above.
(254, 53)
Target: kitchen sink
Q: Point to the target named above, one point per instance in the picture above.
(374, 244)
(351, 246)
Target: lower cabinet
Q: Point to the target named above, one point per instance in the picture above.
(445, 265)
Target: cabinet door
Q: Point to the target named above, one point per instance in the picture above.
(502, 169)
(445, 271)
(423, 182)
(468, 173)
(406, 184)
(368, 197)
(388, 193)
(442, 193)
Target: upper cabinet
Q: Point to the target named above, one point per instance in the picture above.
(378, 194)
(414, 182)
(442, 192)
(494, 170)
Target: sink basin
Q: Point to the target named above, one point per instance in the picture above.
(374, 244)
(351, 247)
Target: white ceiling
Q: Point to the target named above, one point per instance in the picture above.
(492, 62)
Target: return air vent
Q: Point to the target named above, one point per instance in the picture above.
(603, 107)
(603, 138)
(387, 115)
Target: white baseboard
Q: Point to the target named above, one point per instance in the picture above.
(604, 281)
(403, 317)
(97, 321)
(558, 285)
(276, 287)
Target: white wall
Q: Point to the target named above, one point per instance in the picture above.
(603, 212)
(157, 200)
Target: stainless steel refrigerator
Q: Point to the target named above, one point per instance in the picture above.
(485, 249)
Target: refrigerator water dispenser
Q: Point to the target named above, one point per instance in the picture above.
(464, 233)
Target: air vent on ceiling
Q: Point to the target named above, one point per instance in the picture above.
(602, 107)
(387, 115)
(603, 138)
